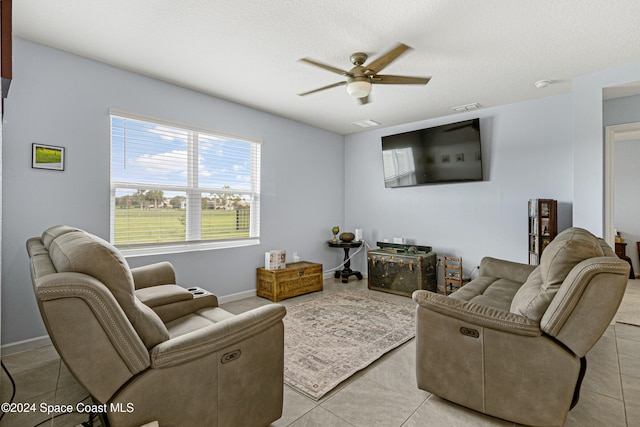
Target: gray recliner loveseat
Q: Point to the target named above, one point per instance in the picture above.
(512, 342)
(151, 350)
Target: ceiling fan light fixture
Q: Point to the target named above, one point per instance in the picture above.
(359, 87)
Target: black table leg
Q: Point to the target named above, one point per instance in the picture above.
(346, 271)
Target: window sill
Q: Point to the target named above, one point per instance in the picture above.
(182, 248)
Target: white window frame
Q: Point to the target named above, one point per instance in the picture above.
(192, 190)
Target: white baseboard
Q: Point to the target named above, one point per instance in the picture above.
(237, 296)
(30, 344)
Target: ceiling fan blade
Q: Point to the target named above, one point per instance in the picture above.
(400, 80)
(364, 100)
(323, 88)
(378, 64)
(325, 66)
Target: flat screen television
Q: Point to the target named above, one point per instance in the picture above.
(435, 155)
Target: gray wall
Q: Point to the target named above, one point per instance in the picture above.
(311, 179)
(588, 143)
(626, 174)
(60, 99)
(627, 203)
(527, 153)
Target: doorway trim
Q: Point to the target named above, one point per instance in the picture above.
(613, 134)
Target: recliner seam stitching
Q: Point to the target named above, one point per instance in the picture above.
(110, 320)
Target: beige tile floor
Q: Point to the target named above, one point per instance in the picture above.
(384, 394)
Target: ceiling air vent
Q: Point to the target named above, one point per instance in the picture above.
(467, 107)
(366, 123)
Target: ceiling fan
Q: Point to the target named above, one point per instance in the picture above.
(361, 77)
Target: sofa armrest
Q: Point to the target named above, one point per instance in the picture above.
(477, 314)
(211, 339)
(509, 270)
(160, 273)
(158, 295)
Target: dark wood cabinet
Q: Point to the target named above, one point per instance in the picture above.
(543, 226)
(621, 252)
(5, 46)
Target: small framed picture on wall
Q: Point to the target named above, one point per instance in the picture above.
(47, 157)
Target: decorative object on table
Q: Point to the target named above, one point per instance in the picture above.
(330, 338)
(346, 271)
(47, 157)
(297, 278)
(401, 269)
(358, 234)
(275, 259)
(335, 230)
(347, 236)
(617, 237)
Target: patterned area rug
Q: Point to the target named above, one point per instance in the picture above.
(330, 338)
(629, 311)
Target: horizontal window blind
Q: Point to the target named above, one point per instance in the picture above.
(398, 162)
(171, 183)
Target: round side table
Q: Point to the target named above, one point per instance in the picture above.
(346, 271)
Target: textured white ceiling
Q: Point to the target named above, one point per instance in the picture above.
(490, 52)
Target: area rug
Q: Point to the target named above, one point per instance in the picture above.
(629, 311)
(332, 337)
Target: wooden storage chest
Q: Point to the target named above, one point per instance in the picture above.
(297, 278)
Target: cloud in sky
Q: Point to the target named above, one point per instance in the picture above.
(163, 163)
(159, 155)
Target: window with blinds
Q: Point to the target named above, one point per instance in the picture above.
(172, 184)
(399, 166)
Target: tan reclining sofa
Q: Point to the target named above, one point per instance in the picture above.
(512, 342)
(150, 350)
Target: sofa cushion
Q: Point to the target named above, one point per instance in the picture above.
(568, 249)
(488, 291)
(52, 232)
(80, 252)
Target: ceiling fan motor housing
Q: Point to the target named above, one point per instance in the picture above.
(358, 58)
